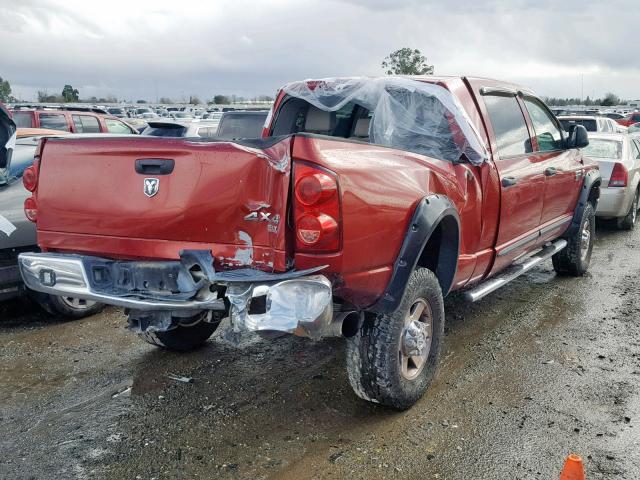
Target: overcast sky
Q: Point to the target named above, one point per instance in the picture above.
(142, 49)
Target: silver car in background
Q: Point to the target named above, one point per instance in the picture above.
(618, 156)
(593, 123)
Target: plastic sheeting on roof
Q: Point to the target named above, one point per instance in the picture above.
(410, 115)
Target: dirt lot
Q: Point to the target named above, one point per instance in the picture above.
(544, 367)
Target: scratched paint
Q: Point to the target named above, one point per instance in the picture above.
(244, 256)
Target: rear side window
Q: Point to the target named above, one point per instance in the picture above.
(509, 126)
(54, 121)
(86, 124)
(545, 128)
(116, 126)
(23, 119)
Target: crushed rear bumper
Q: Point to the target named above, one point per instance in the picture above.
(298, 302)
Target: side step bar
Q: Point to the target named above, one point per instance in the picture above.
(513, 272)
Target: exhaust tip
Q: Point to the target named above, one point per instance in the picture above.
(351, 323)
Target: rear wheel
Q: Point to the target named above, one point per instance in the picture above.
(628, 222)
(393, 358)
(186, 334)
(574, 259)
(68, 307)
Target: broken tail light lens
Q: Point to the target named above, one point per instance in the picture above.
(316, 210)
(619, 176)
(31, 209)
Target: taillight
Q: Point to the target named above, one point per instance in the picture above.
(316, 210)
(31, 209)
(30, 178)
(619, 176)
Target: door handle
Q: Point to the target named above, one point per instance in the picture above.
(551, 171)
(155, 166)
(509, 181)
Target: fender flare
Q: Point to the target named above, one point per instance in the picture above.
(427, 217)
(591, 179)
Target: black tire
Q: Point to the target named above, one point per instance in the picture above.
(574, 260)
(374, 358)
(188, 334)
(67, 307)
(628, 222)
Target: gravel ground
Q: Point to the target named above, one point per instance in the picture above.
(544, 367)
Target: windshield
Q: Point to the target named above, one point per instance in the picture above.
(589, 123)
(601, 148)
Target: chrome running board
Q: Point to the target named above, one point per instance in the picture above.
(513, 272)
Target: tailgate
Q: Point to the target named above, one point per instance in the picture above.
(230, 197)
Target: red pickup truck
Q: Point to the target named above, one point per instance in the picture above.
(363, 205)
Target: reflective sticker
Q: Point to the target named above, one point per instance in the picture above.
(6, 226)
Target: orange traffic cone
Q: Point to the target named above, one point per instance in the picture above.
(573, 468)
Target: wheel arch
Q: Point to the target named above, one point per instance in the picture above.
(432, 241)
(590, 193)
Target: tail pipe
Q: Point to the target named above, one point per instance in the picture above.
(346, 324)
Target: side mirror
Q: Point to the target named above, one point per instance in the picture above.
(578, 137)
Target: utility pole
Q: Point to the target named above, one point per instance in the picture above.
(582, 87)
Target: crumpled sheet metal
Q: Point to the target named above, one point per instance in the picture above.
(277, 153)
(303, 306)
(410, 115)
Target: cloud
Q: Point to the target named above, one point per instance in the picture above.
(146, 48)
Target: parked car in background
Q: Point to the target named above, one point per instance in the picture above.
(178, 115)
(138, 124)
(634, 128)
(618, 157)
(630, 119)
(614, 116)
(592, 123)
(117, 112)
(140, 111)
(369, 200)
(174, 128)
(241, 124)
(16, 231)
(71, 121)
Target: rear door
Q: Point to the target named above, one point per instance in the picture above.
(521, 174)
(562, 167)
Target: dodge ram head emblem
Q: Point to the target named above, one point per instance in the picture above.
(151, 186)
